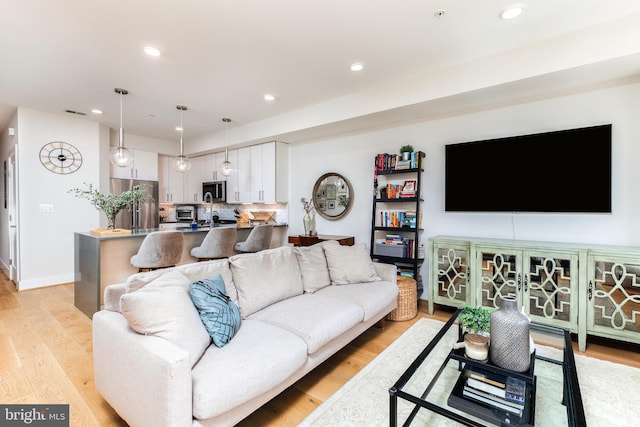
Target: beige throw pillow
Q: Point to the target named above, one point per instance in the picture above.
(164, 308)
(350, 264)
(264, 278)
(313, 266)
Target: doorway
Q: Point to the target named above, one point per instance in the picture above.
(12, 202)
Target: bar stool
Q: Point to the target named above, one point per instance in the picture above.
(259, 239)
(218, 243)
(159, 249)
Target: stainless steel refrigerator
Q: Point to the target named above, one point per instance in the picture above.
(146, 216)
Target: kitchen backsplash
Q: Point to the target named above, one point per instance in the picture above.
(226, 211)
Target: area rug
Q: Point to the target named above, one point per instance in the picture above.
(610, 391)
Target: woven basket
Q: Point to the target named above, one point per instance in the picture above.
(407, 307)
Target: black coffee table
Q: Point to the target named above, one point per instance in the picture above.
(428, 392)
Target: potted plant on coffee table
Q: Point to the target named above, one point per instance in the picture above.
(475, 323)
(475, 320)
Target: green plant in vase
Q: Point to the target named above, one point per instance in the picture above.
(110, 204)
(476, 320)
(406, 151)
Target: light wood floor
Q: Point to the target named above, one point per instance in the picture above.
(46, 357)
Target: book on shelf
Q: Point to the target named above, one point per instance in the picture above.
(501, 404)
(486, 387)
(503, 388)
(386, 161)
(489, 407)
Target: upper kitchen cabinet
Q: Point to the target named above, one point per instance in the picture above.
(214, 161)
(194, 178)
(260, 174)
(239, 180)
(171, 182)
(145, 166)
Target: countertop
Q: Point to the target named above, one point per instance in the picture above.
(186, 229)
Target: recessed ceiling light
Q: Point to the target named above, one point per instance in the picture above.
(511, 12)
(151, 51)
(96, 111)
(269, 97)
(356, 67)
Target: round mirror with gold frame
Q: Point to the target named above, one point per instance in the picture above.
(332, 196)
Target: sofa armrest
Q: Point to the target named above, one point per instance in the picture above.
(146, 379)
(387, 272)
(112, 294)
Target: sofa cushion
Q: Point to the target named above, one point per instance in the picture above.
(350, 264)
(265, 277)
(314, 318)
(313, 266)
(372, 296)
(164, 308)
(220, 315)
(194, 271)
(258, 358)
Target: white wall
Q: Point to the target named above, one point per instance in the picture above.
(353, 157)
(47, 239)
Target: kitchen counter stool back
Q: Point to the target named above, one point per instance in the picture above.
(259, 239)
(159, 249)
(218, 243)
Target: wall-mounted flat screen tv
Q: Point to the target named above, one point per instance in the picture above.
(560, 171)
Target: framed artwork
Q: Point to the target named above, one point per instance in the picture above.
(331, 204)
(342, 187)
(322, 205)
(409, 187)
(331, 191)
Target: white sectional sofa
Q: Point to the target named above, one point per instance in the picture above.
(155, 362)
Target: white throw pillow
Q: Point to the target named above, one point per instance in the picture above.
(350, 264)
(313, 266)
(164, 308)
(265, 277)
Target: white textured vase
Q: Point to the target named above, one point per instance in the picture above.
(309, 221)
(509, 347)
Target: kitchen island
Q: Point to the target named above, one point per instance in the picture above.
(101, 261)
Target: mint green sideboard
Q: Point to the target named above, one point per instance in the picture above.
(588, 289)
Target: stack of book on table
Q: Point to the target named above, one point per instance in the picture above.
(490, 396)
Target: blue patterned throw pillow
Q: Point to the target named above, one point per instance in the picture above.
(220, 315)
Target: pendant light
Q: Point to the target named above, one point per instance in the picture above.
(181, 163)
(121, 156)
(225, 167)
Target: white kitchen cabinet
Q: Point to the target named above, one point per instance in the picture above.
(145, 166)
(239, 181)
(194, 179)
(171, 182)
(269, 172)
(214, 161)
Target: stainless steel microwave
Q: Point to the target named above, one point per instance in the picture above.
(218, 190)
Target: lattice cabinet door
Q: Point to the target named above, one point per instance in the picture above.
(498, 273)
(613, 297)
(550, 287)
(449, 284)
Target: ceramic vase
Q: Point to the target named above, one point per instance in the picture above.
(309, 221)
(509, 347)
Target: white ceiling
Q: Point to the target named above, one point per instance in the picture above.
(220, 57)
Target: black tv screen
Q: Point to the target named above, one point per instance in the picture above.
(561, 171)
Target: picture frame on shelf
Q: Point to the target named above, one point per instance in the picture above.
(409, 188)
